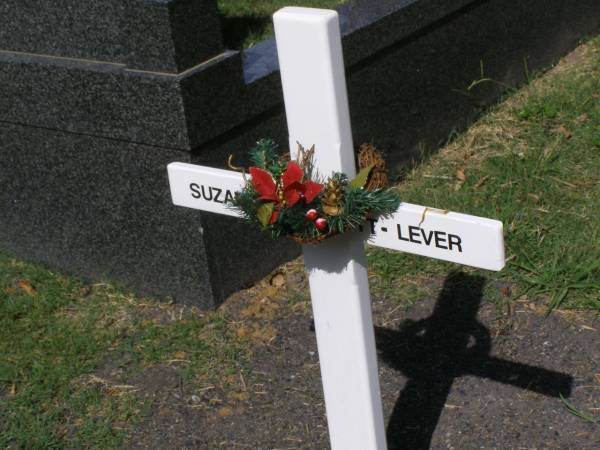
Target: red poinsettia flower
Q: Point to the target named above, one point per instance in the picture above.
(289, 191)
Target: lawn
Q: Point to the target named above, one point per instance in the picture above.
(246, 22)
(55, 331)
(70, 349)
(532, 162)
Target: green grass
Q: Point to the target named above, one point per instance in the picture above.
(55, 332)
(533, 162)
(246, 22)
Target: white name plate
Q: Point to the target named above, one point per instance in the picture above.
(460, 238)
(204, 188)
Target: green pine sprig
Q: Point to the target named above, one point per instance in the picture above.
(359, 203)
(264, 155)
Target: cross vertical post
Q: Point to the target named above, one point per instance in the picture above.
(314, 87)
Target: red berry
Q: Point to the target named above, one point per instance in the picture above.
(321, 224)
(311, 215)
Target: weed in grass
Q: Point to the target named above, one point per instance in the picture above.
(577, 413)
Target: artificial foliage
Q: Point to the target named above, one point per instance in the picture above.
(289, 198)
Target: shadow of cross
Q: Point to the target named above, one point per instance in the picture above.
(450, 343)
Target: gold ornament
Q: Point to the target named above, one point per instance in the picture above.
(332, 198)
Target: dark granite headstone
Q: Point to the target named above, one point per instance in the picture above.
(99, 96)
(155, 35)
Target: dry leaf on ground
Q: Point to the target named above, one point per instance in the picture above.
(26, 287)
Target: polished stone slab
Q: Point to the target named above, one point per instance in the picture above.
(156, 35)
(101, 209)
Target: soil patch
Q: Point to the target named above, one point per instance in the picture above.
(455, 371)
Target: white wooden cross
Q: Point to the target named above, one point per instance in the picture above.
(316, 104)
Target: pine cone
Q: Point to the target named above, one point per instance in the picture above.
(367, 155)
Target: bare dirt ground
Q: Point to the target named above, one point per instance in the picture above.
(456, 372)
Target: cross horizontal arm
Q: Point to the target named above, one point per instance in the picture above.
(459, 238)
(204, 188)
